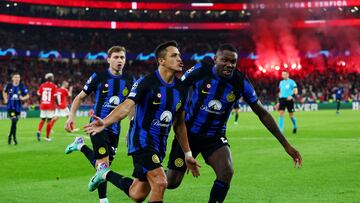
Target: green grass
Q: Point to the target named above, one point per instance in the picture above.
(330, 146)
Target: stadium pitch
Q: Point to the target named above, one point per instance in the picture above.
(41, 172)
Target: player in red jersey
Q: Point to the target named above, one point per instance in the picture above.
(62, 109)
(47, 91)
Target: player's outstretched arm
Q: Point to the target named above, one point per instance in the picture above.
(271, 125)
(181, 136)
(69, 124)
(119, 113)
(5, 96)
(23, 98)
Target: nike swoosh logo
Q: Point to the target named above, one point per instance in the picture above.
(104, 91)
(202, 91)
(92, 179)
(156, 103)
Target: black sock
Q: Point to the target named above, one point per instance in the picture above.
(102, 190)
(218, 191)
(89, 154)
(13, 130)
(236, 117)
(338, 106)
(121, 182)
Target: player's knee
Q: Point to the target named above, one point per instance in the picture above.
(173, 183)
(174, 178)
(137, 197)
(226, 173)
(160, 186)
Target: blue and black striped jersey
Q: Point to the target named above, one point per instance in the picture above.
(212, 99)
(14, 93)
(110, 90)
(156, 106)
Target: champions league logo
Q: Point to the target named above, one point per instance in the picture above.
(214, 106)
(113, 102)
(165, 120)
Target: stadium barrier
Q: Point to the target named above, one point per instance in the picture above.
(355, 105)
(85, 109)
(34, 112)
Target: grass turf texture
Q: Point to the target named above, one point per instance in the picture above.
(40, 171)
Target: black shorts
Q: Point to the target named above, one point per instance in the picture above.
(105, 144)
(12, 113)
(236, 105)
(288, 104)
(198, 144)
(145, 160)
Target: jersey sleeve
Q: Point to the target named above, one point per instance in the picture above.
(138, 90)
(184, 94)
(249, 93)
(192, 75)
(24, 91)
(294, 84)
(91, 84)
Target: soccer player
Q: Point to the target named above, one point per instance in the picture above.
(288, 90)
(158, 99)
(13, 94)
(215, 89)
(62, 109)
(110, 88)
(46, 91)
(339, 91)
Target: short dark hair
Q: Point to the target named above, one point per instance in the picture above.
(160, 50)
(228, 47)
(14, 73)
(115, 49)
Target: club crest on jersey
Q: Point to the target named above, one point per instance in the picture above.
(102, 150)
(179, 162)
(155, 159)
(230, 97)
(158, 95)
(125, 91)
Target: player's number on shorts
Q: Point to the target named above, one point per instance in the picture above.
(46, 96)
(224, 140)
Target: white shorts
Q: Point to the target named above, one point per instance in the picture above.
(47, 113)
(62, 112)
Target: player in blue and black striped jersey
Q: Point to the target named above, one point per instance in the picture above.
(215, 89)
(14, 93)
(111, 87)
(339, 91)
(158, 100)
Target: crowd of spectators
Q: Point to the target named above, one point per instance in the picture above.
(316, 86)
(100, 14)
